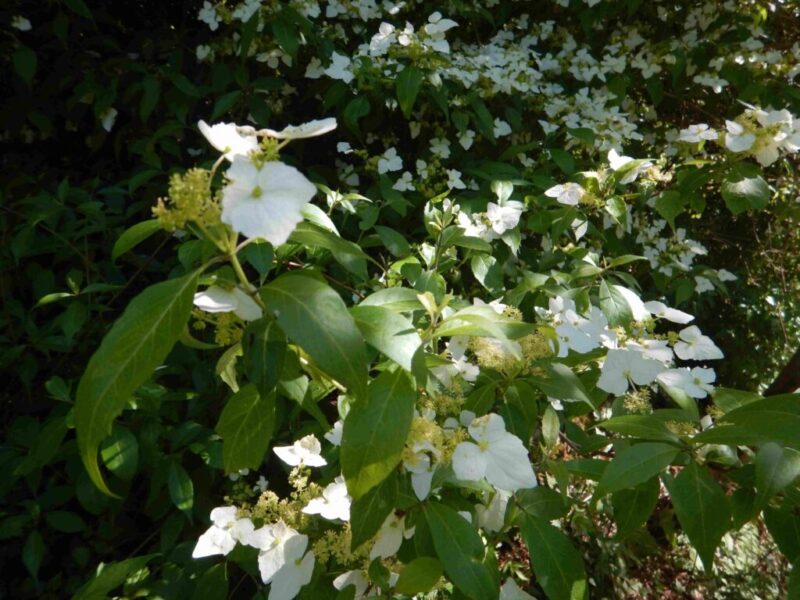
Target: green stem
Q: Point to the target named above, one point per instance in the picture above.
(248, 287)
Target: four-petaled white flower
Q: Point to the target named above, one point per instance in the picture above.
(498, 456)
(567, 193)
(624, 365)
(306, 130)
(334, 436)
(282, 559)
(305, 451)
(226, 530)
(226, 138)
(697, 383)
(737, 139)
(216, 299)
(697, 133)
(334, 503)
(693, 345)
(265, 202)
(422, 465)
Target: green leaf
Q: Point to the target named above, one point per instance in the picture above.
(44, 448)
(732, 435)
(226, 366)
(562, 384)
(111, 576)
(356, 109)
(213, 584)
(487, 271)
(79, 8)
(151, 89)
(670, 204)
(614, 305)
(776, 468)
(743, 189)
(702, 509)
(120, 453)
(375, 432)
(181, 488)
(633, 507)
(33, 553)
(419, 576)
(136, 344)
(636, 465)
(461, 551)
(224, 104)
(65, 521)
(407, 85)
(368, 512)
(556, 563)
(389, 332)
(260, 255)
(776, 418)
(551, 427)
(784, 526)
(564, 160)
(394, 241)
(316, 319)
(264, 354)
(246, 426)
(645, 427)
(25, 63)
(398, 299)
(286, 35)
(541, 502)
(346, 253)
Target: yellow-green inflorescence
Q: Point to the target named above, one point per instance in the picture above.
(228, 328)
(190, 201)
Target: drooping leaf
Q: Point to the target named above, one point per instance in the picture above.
(181, 488)
(556, 563)
(702, 509)
(636, 465)
(776, 468)
(743, 188)
(316, 319)
(136, 344)
(246, 426)
(407, 85)
(133, 236)
(462, 552)
(632, 507)
(264, 354)
(387, 331)
(120, 453)
(375, 432)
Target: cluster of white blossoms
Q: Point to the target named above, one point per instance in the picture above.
(498, 220)
(262, 198)
(635, 359)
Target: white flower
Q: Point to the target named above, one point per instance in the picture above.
(226, 138)
(21, 23)
(334, 503)
(638, 310)
(654, 349)
(440, 147)
(736, 140)
(354, 578)
(218, 300)
(437, 25)
(314, 69)
(498, 456)
(224, 533)
(265, 202)
(404, 183)
(662, 311)
(454, 180)
(108, 118)
(624, 365)
(239, 474)
(702, 284)
(208, 15)
(390, 537)
(261, 485)
(511, 591)
(501, 128)
(696, 346)
(466, 139)
(306, 130)
(281, 559)
(334, 436)
(340, 68)
(389, 161)
(568, 193)
(422, 464)
(725, 275)
(617, 162)
(696, 383)
(305, 451)
(697, 133)
(492, 517)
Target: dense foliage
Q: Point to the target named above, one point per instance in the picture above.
(353, 298)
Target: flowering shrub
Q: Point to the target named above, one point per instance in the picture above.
(458, 326)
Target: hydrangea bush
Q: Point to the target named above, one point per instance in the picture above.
(449, 299)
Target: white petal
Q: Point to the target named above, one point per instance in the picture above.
(215, 300)
(469, 462)
(421, 482)
(246, 309)
(509, 467)
(661, 310)
(225, 138)
(306, 130)
(640, 313)
(214, 541)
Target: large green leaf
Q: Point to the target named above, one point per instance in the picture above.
(419, 576)
(387, 331)
(784, 526)
(368, 512)
(558, 566)
(776, 418)
(633, 507)
(346, 253)
(776, 468)
(462, 552)
(111, 576)
(316, 318)
(702, 509)
(636, 465)
(645, 427)
(246, 426)
(375, 432)
(743, 188)
(136, 344)
(562, 383)
(408, 83)
(541, 502)
(614, 305)
(264, 353)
